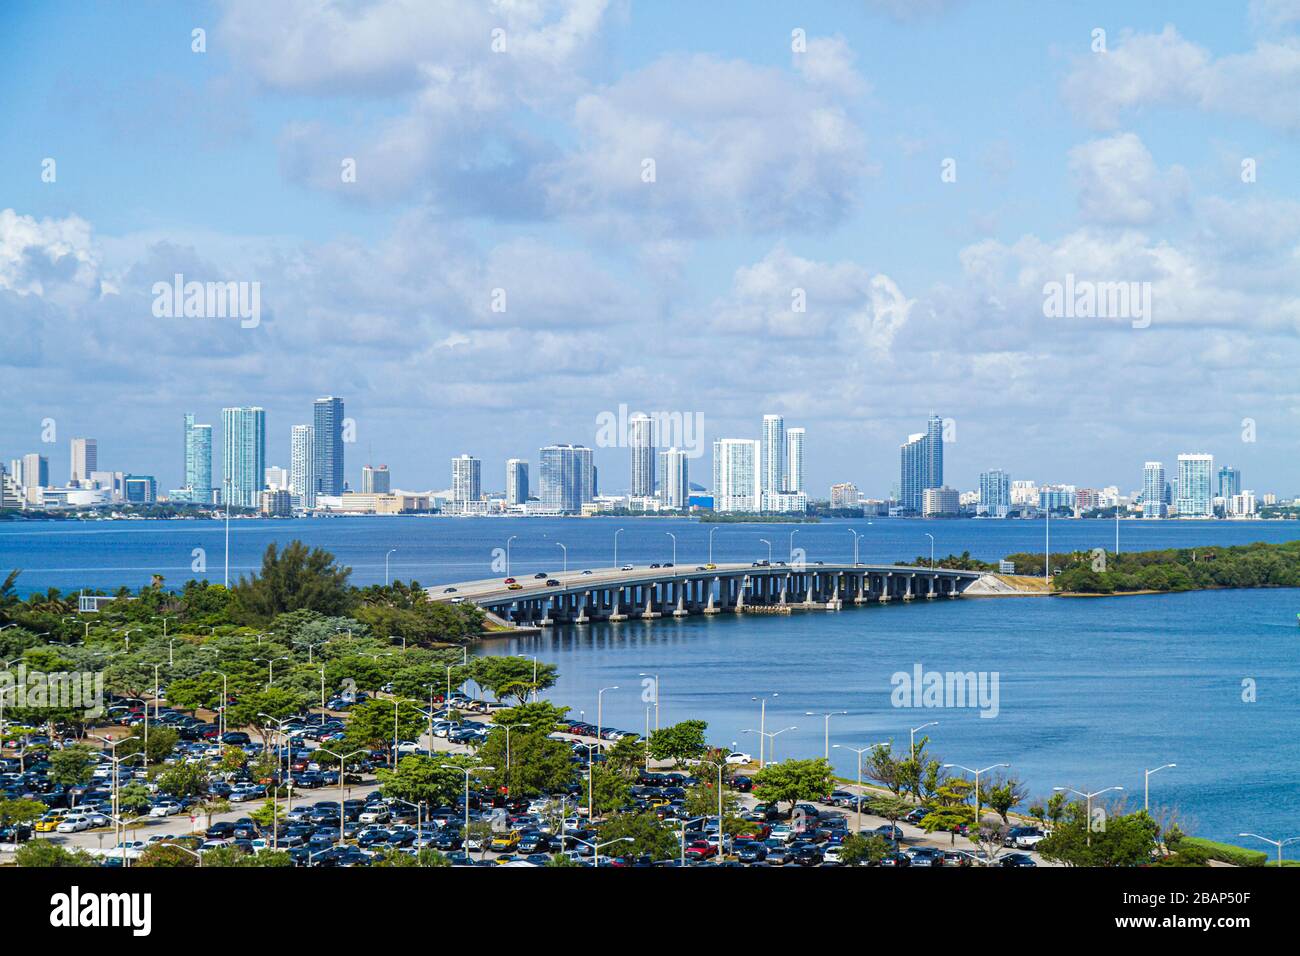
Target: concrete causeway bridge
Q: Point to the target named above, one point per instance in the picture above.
(620, 594)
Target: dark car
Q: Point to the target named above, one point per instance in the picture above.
(236, 738)
(895, 859)
(220, 831)
(743, 784)
(1017, 859)
(806, 854)
(552, 583)
(891, 833)
(750, 851)
(539, 575)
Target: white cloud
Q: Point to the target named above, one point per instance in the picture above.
(1119, 182)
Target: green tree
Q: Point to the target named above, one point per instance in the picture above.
(1121, 839)
(679, 742)
(650, 837)
(161, 742)
(859, 850)
(43, 853)
(20, 811)
(72, 766)
(166, 855)
(610, 790)
(537, 763)
(298, 578)
(182, 779)
(374, 723)
(794, 780)
(512, 677)
(421, 780)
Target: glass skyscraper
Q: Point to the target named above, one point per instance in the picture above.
(198, 461)
(794, 478)
(1229, 482)
(567, 477)
(1196, 485)
(243, 463)
(995, 493)
(302, 466)
(327, 439)
(772, 463)
(516, 481)
(641, 438)
(921, 465)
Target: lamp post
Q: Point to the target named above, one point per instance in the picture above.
(977, 773)
(600, 704)
(270, 667)
(392, 551)
(616, 534)
(507, 728)
(674, 537)
(764, 735)
(827, 717)
(1088, 809)
(792, 534)
(342, 758)
(508, 540)
(1277, 843)
(912, 732)
(857, 826)
(711, 530)
(466, 771)
(855, 546)
(1146, 784)
(931, 537)
(566, 556)
(769, 549)
(656, 679)
(762, 725)
(595, 847)
(144, 705)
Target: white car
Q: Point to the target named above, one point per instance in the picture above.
(783, 833)
(376, 814)
(739, 759)
(832, 855)
(165, 808)
(73, 823)
(96, 818)
(409, 747)
(1028, 841)
(628, 567)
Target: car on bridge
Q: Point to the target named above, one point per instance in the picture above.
(627, 567)
(552, 583)
(514, 587)
(509, 581)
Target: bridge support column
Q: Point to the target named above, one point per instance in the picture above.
(616, 610)
(886, 585)
(709, 606)
(680, 609)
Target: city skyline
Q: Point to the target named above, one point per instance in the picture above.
(872, 248)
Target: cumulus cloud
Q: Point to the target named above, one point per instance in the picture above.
(1153, 70)
(1118, 181)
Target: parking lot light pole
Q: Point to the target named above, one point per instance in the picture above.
(466, 771)
(682, 834)
(1146, 784)
(343, 793)
(977, 773)
(507, 728)
(600, 704)
(857, 826)
(418, 819)
(391, 551)
(771, 747)
(591, 778)
(762, 726)
(656, 677)
(145, 705)
(833, 713)
(1277, 843)
(1088, 797)
(595, 847)
(270, 667)
(912, 733)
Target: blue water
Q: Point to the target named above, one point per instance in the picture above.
(1091, 691)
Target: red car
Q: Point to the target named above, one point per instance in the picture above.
(701, 849)
(510, 581)
(758, 832)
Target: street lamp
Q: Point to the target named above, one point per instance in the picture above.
(792, 534)
(507, 728)
(466, 771)
(933, 723)
(1088, 797)
(711, 530)
(343, 793)
(391, 551)
(616, 534)
(931, 537)
(600, 704)
(1146, 784)
(855, 546)
(1277, 843)
(770, 736)
(857, 826)
(674, 537)
(656, 678)
(762, 726)
(270, 667)
(566, 556)
(769, 549)
(977, 773)
(595, 847)
(827, 716)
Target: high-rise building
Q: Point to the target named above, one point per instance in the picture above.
(1153, 489)
(36, 471)
(934, 452)
(912, 473)
(140, 489)
(676, 478)
(302, 465)
(1196, 485)
(737, 482)
(995, 493)
(516, 482)
(327, 444)
(794, 477)
(772, 461)
(375, 480)
(243, 460)
(276, 478)
(198, 462)
(940, 501)
(641, 439)
(1229, 482)
(844, 495)
(568, 478)
(466, 479)
(85, 459)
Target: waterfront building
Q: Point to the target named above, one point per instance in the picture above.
(516, 482)
(327, 445)
(737, 483)
(1153, 489)
(466, 480)
(568, 478)
(302, 465)
(641, 440)
(1195, 485)
(676, 478)
(794, 461)
(197, 486)
(1056, 498)
(995, 493)
(940, 501)
(1229, 482)
(85, 459)
(375, 480)
(140, 489)
(35, 471)
(912, 468)
(844, 495)
(276, 478)
(773, 456)
(243, 460)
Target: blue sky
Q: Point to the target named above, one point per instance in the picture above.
(776, 170)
